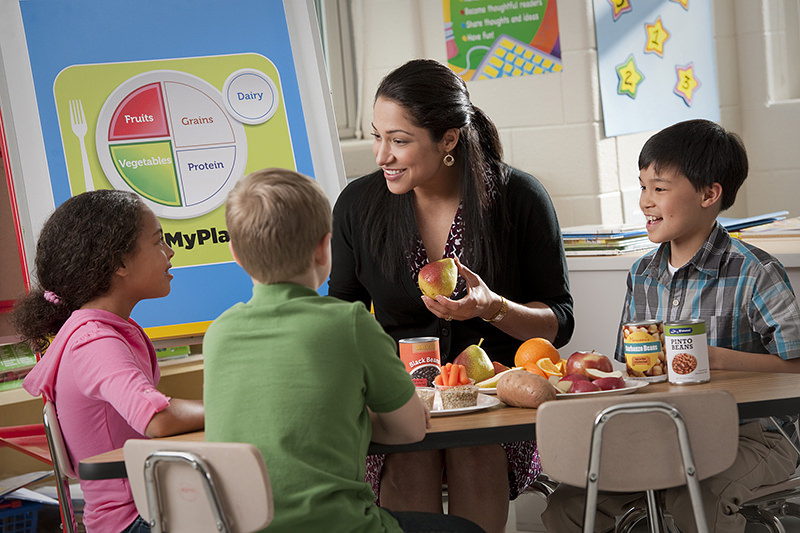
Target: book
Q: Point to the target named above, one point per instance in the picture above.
(788, 227)
(16, 360)
(591, 231)
(173, 352)
(738, 224)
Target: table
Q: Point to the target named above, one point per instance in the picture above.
(756, 394)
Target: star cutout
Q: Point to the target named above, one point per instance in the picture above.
(687, 83)
(620, 7)
(656, 36)
(684, 3)
(629, 77)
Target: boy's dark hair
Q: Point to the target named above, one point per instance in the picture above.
(79, 248)
(701, 150)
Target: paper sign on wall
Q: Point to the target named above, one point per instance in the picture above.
(491, 39)
(656, 63)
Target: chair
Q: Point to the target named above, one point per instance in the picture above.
(170, 477)
(766, 505)
(769, 503)
(638, 443)
(62, 465)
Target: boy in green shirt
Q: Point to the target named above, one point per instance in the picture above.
(310, 380)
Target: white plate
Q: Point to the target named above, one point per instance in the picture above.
(631, 385)
(484, 402)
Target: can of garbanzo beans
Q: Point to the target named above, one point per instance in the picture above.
(687, 351)
(643, 343)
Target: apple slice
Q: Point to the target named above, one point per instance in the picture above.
(595, 373)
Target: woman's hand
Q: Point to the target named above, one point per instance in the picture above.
(480, 301)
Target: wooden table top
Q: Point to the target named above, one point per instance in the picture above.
(756, 394)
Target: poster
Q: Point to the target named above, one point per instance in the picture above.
(656, 63)
(176, 102)
(491, 39)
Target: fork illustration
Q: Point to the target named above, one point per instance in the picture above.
(79, 128)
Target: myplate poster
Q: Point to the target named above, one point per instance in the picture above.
(176, 102)
(656, 63)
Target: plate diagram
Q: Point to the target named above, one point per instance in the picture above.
(166, 136)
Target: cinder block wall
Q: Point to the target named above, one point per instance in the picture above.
(551, 125)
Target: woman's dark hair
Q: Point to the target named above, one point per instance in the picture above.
(80, 247)
(701, 150)
(436, 99)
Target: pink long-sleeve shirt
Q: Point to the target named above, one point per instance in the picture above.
(101, 372)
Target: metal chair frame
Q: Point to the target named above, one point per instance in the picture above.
(653, 505)
(151, 463)
(62, 466)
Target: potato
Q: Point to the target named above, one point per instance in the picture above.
(524, 389)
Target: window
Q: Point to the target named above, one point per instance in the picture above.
(783, 50)
(336, 30)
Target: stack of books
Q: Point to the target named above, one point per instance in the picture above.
(605, 240)
(630, 238)
(784, 233)
(16, 360)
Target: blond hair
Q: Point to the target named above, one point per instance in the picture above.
(276, 218)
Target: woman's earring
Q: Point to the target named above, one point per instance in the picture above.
(449, 160)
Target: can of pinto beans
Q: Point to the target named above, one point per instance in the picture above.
(422, 359)
(687, 351)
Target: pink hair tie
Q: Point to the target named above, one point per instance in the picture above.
(52, 297)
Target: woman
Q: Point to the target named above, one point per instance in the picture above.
(443, 191)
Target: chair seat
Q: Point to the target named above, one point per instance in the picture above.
(28, 439)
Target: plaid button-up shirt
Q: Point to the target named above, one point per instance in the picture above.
(741, 292)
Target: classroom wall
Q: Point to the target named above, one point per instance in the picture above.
(551, 125)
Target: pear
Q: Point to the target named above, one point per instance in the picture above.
(479, 366)
(438, 277)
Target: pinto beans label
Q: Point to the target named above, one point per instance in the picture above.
(687, 352)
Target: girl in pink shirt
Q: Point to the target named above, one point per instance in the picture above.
(97, 256)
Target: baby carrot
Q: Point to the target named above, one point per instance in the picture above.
(443, 375)
(453, 376)
(462, 375)
(438, 379)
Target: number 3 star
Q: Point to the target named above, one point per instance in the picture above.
(687, 83)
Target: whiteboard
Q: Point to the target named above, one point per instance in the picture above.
(175, 101)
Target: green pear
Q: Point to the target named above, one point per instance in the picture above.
(479, 366)
(438, 277)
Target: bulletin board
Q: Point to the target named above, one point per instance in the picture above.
(655, 62)
(175, 101)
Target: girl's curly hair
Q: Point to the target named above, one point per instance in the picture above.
(80, 247)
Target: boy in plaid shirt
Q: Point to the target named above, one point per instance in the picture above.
(688, 173)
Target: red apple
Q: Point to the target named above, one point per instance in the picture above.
(583, 386)
(610, 383)
(580, 362)
(565, 383)
(499, 367)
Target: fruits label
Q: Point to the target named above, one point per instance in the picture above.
(422, 359)
(644, 350)
(687, 352)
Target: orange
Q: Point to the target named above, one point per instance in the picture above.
(547, 366)
(534, 349)
(536, 370)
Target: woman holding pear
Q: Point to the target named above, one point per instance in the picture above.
(443, 191)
